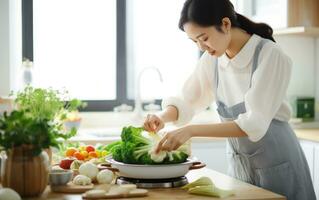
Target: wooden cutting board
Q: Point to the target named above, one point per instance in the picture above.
(71, 188)
(133, 193)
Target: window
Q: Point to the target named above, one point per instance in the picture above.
(156, 41)
(74, 47)
(271, 12)
(96, 48)
(261, 10)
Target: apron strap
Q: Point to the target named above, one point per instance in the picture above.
(255, 58)
(254, 67)
(216, 77)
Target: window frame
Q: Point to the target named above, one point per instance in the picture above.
(121, 58)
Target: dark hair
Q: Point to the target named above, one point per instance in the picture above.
(211, 12)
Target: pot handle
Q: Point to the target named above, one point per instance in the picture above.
(107, 166)
(197, 165)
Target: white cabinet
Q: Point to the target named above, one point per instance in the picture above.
(308, 148)
(211, 152)
(311, 150)
(316, 170)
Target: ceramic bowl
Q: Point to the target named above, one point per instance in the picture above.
(60, 176)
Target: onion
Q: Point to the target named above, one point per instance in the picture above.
(105, 176)
(89, 169)
(9, 194)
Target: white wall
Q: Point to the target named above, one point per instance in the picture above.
(304, 52)
(10, 44)
(4, 48)
(316, 74)
(15, 44)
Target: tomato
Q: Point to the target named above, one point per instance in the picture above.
(66, 163)
(93, 154)
(90, 148)
(70, 151)
(78, 156)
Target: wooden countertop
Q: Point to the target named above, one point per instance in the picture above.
(242, 190)
(308, 134)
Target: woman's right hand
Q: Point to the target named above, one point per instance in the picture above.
(153, 123)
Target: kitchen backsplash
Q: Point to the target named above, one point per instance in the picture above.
(304, 52)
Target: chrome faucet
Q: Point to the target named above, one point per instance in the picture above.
(138, 101)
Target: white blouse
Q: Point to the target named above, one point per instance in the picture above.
(264, 100)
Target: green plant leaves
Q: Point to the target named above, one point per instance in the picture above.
(35, 122)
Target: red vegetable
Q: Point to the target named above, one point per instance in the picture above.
(90, 148)
(66, 163)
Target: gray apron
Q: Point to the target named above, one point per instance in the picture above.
(276, 162)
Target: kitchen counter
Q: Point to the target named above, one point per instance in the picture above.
(106, 127)
(308, 134)
(242, 190)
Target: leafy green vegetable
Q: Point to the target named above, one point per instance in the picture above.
(138, 147)
(109, 147)
(205, 186)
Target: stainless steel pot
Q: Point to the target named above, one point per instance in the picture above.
(152, 171)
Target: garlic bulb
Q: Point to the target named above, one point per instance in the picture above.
(82, 180)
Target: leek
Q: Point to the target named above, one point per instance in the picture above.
(205, 186)
(199, 182)
(211, 190)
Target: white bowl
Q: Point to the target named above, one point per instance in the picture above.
(60, 176)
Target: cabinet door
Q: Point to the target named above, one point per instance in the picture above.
(316, 170)
(308, 148)
(213, 153)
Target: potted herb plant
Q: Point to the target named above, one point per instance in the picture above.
(26, 135)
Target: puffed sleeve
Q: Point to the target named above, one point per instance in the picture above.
(267, 93)
(197, 93)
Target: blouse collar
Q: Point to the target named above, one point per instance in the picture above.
(243, 57)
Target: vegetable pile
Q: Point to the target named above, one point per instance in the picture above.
(83, 160)
(75, 154)
(138, 147)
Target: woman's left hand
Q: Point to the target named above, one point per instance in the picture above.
(174, 139)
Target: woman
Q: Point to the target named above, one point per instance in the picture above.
(247, 74)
